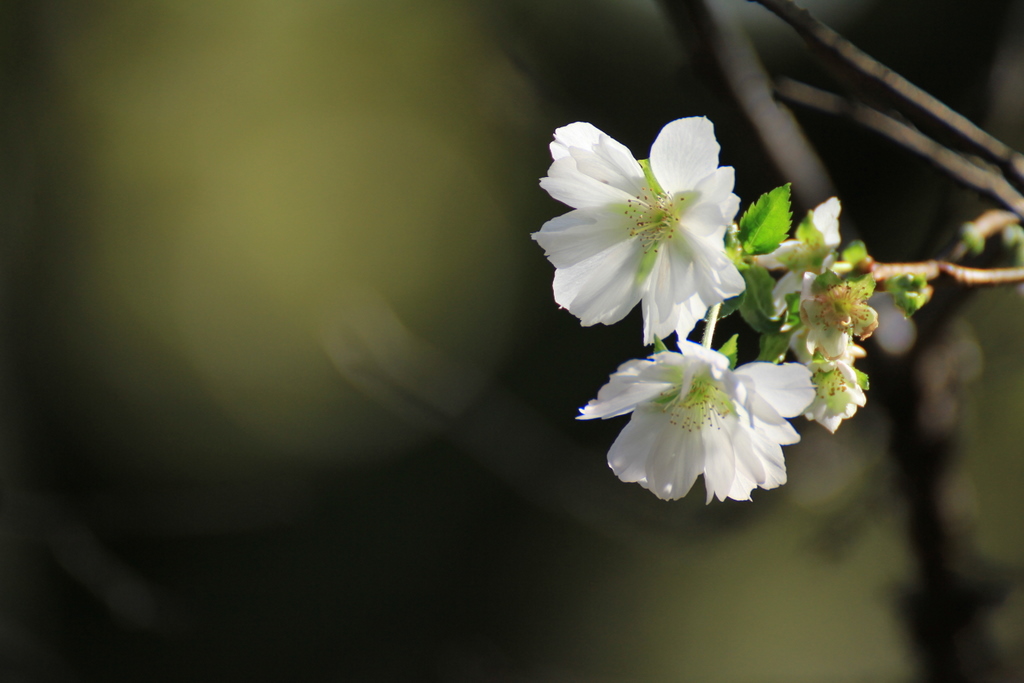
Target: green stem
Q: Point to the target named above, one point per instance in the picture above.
(709, 325)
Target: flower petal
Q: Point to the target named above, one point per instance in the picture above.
(580, 234)
(786, 387)
(568, 185)
(826, 220)
(631, 451)
(625, 389)
(676, 459)
(684, 152)
(601, 289)
(580, 149)
(713, 275)
(687, 314)
(580, 134)
(720, 456)
(716, 188)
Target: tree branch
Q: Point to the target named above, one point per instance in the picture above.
(958, 167)
(861, 70)
(737, 65)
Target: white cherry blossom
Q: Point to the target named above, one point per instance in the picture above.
(838, 392)
(651, 234)
(692, 415)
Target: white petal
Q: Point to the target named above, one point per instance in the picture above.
(716, 189)
(629, 454)
(773, 260)
(669, 282)
(715, 276)
(602, 289)
(708, 357)
(579, 235)
(854, 390)
(580, 148)
(579, 134)
(826, 220)
(625, 389)
(787, 284)
(781, 433)
(675, 461)
(686, 316)
(568, 185)
(684, 152)
(759, 463)
(704, 220)
(786, 387)
(720, 457)
(829, 422)
(610, 162)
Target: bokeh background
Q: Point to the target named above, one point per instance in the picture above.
(286, 397)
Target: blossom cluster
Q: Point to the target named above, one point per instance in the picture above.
(663, 233)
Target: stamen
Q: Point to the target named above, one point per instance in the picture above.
(655, 217)
(704, 406)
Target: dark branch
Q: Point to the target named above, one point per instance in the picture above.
(978, 178)
(737, 66)
(867, 74)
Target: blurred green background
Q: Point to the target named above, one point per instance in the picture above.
(286, 398)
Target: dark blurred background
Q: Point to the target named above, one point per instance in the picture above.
(286, 397)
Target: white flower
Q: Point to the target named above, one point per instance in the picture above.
(835, 310)
(692, 415)
(812, 252)
(653, 235)
(839, 392)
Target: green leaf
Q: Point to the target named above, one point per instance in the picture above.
(774, 346)
(767, 222)
(862, 379)
(659, 345)
(909, 292)
(730, 306)
(758, 307)
(855, 252)
(730, 349)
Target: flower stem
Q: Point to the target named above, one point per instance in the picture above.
(709, 325)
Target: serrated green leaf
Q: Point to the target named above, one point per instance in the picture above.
(767, 222)
(774, 346)
(758, 307)
(730, 306)
(730, 349)
(855, 252)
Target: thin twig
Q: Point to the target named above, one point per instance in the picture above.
(962, 275)
(858, 68)
(959, 168)
(738, 66)
(984, 226)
